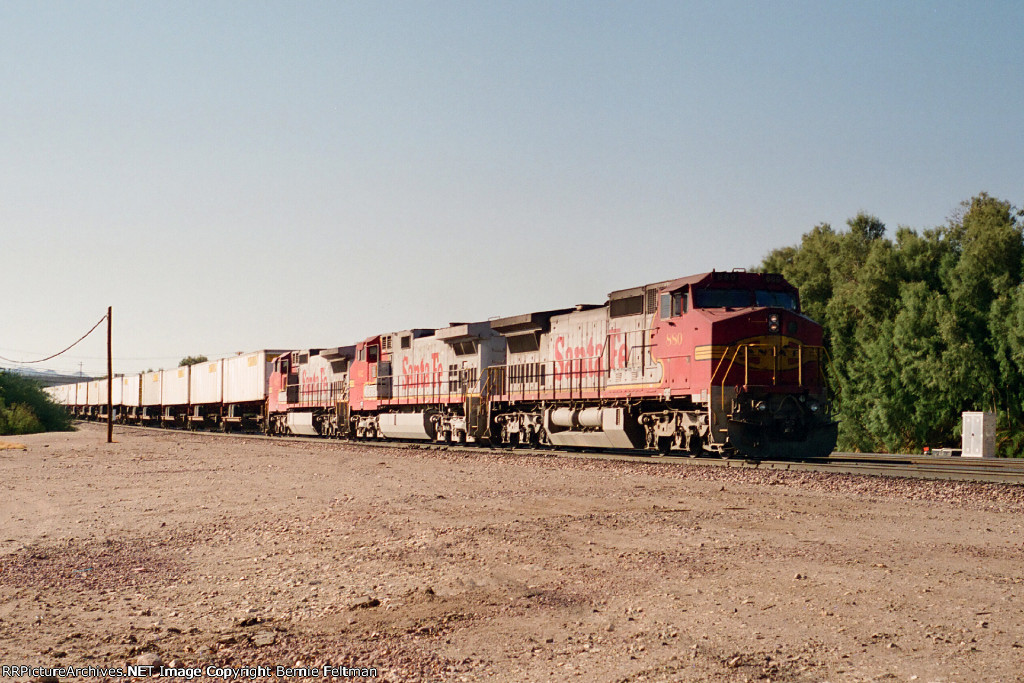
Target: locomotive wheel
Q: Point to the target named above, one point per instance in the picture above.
(664, 444)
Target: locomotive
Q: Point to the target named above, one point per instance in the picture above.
(715, 363)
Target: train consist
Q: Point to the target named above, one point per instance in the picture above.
(716, 363)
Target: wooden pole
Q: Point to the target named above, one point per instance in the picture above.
(110, 384)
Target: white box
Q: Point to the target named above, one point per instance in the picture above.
(151, 385)
(130, 390)
(979, 435)
(246, 376)
(175, 387)
(97, 392)
(207, 384)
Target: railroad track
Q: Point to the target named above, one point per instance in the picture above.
(995, 470)
(991, 470)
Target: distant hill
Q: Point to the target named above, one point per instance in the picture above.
(47, 378)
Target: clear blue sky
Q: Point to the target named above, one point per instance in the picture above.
(240, 175)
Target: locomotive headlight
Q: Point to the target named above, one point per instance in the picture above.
(814, 406)
(761, 406)
(773, 322)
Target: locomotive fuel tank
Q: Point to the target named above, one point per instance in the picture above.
(592, 428)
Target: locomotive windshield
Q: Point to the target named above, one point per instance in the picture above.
(722, 298)
(742, 298)
(763, 297)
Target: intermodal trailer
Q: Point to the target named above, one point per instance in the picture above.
(206, 393)
(174, 396)
(131, 397)
(150, 396)
(246, 380)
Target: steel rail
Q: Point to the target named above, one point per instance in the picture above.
(986, 470)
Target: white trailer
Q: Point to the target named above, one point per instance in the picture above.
(130, 388)
(246, 380)
(246, 376)
(152, 383)
(207, 383)
(175, 387)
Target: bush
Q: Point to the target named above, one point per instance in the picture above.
(25, 408)
(18, 419)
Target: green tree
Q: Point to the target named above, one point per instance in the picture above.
(1007, 325)
(25, 408)
(919, 327)
(192, 360)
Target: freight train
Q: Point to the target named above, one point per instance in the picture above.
(716, 363)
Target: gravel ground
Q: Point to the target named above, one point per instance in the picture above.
(438, 565)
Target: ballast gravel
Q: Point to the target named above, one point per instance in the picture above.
(236, 556)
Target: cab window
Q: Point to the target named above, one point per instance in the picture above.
(722, 298)
(679, 303)
(763, 297)
(673, 304)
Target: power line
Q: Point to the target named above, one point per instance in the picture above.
(223, 354)
(43, 360)
(120, 358)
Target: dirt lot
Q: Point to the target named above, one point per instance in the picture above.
(436, 565)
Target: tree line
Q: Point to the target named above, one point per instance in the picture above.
(919, 326)
(25, 408)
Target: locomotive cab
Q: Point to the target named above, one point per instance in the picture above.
(767, 388)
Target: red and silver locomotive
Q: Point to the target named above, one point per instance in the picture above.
(717, 362)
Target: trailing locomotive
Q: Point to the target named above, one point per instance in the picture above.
(716, 363)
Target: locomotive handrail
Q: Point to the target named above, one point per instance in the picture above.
(775, 363)
(570, 378)
(319, 395)
(731, 352)
(449, 385)
(643, 346)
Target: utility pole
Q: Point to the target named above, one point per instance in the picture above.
(110, 383)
